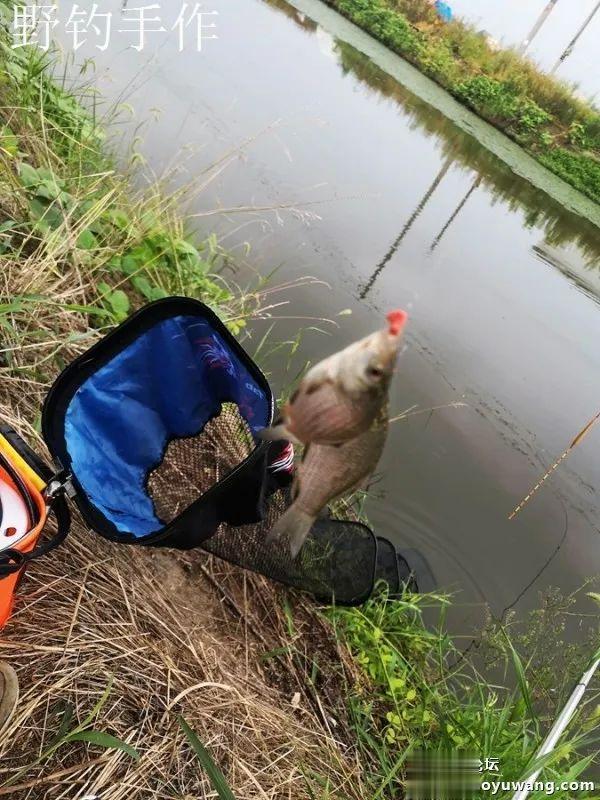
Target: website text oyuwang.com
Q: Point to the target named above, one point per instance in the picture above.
(548, 787)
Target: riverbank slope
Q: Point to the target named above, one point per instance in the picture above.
(112, 643)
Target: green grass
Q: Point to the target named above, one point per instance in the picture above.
(70, 731)
(538, 111)
(75, 238)
(496, 700)
(580, 171)
(215, 775)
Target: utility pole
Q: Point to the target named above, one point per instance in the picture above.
(570, 47)
(408, 225)
(455, 213)
(538, 24)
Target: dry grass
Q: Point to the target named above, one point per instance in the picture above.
(179, 634)
(169, 633)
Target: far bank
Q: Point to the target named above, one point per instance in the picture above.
(539, 112)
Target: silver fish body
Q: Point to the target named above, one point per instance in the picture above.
(328, 415)
(326, 473)
(339, 397)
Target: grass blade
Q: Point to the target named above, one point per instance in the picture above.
(522, 680)
(212, 770)
(105, 740)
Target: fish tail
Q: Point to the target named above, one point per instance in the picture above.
(293, 525)
(277, 433)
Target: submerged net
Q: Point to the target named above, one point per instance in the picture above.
(394, 569)
(339, 557)
(337, 560)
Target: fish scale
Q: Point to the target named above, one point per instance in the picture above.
(340, 412)
(340, 396)
(326, 473)
(324, 414)
(330, 471)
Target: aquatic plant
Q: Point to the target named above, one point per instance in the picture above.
(577, 169)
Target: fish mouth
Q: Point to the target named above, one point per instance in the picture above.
(397, 320)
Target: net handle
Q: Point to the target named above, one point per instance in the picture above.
(13, 560)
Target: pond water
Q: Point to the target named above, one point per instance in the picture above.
(375, 182)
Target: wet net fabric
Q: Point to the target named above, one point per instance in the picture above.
(192, 464)
(387, 567)
(393, 569)
(338, 558)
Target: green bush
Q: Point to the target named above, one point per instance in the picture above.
(390, 27)
(531, 116)
(416, 10)
(489, 96)
(584, 132)
(439, 63)
(577, 135)
(469, 45)
(580, 171)
(422, 691)
(591, 123)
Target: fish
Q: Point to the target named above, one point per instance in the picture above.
(326, 473)
(339, 397)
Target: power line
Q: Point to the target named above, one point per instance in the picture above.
(408, 225)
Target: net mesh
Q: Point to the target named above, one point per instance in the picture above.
(339, 556)
(387, 568)
(191, 465)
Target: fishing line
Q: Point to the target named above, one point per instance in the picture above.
(475, 643)
(542, 569)
(577, 440)
(413, 411)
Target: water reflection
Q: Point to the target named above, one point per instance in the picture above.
(488, 335)
(538, 209)
(415, 211)
(410, 222)
(452, 218)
